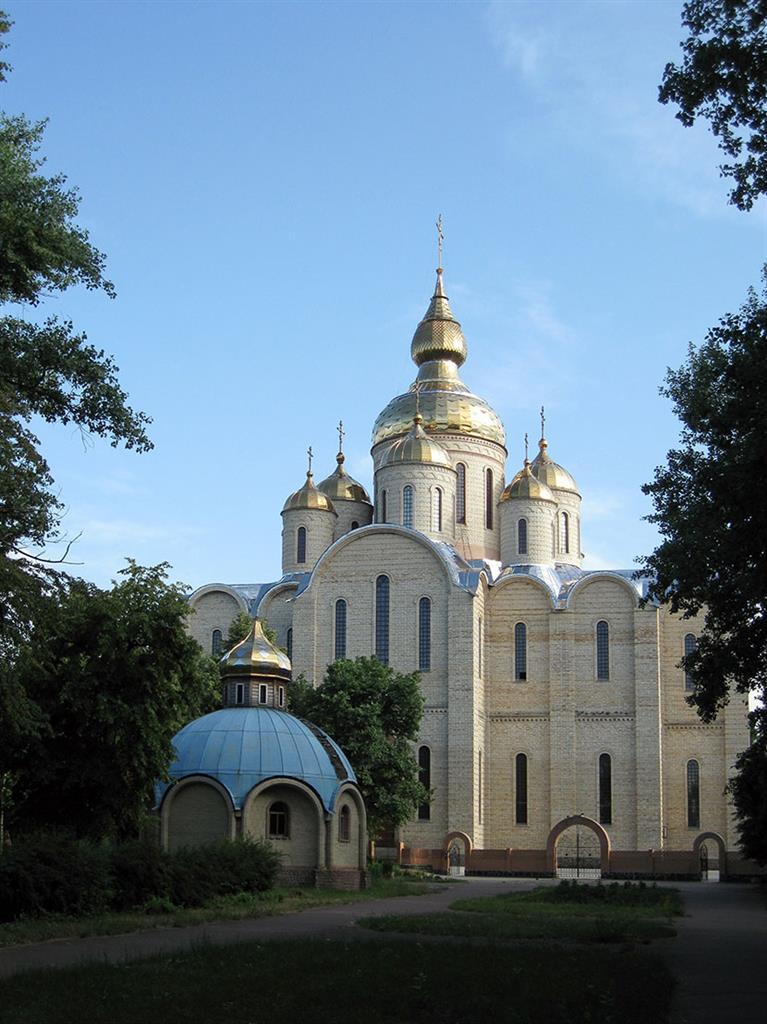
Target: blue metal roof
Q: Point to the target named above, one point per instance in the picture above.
(240, 747)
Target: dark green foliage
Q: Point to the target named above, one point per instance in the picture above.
(749, 795)
(626, 894)
(55, 874)
(724, 80)
(373, 713)
(239, 628)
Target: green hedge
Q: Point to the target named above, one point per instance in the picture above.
(54, 874)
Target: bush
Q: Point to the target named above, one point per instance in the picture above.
(200, 873)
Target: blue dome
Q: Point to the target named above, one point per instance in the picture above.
(240, 747)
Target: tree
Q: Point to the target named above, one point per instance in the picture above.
(115, 674)
(239, 628)
(724, 79)
(749, 794)
(373, 713)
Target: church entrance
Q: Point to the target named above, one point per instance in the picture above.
(578, 854)
(711, 856)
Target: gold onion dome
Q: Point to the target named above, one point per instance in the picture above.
(525, 485)
(446, 404)
(256, 658)
(339, 486)
(550, 472)
(417, 446)
(309, 496)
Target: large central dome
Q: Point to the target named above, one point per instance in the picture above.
(438, 394)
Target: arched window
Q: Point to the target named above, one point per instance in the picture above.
(383, 506)
(279, 820)
(344, 824)
(522, 537)
(605, 789)
(489, 499)
(460, 493)
(564, 533)
(480, 645)
(216, 643)
(690, 643)
(520, 789)
(289, 643)
(693, 794)
(355, 524)
(239, 693)
(520, 651)
(603, 650)
(553, 539)
(424, 777)
(424, 635)
(340, 647)
(382, 619)
(436, 510)
(301, 544)
(263, 693)
(282, 696)
(407, 506)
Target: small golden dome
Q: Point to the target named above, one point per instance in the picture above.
(439, 335)
(551, 473)
(256, 658)
(525, 485)
(339, 486)
(417, 446)
(309, 497)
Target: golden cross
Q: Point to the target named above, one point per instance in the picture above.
(440, 239)
(543, 423)
(341, 435)
(310, 453)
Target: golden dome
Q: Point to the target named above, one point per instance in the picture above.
(525, 485)
(256, 657)
(417, 446)
(439, 335)
(309, 497)
(551, 473)
(339, 486)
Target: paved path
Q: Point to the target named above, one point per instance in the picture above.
(719, 955)
(336, 922)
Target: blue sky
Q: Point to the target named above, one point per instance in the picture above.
(264, 179)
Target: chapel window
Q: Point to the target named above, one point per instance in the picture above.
(383, 506)
(424, 777)
(520, 651)
(382, 619)
(489, 499)
(522, 537)
(216, 643)
(340, 644)
(301, 545)
(407, 506)
(605, 789)
(690, 643)
(520, 789)
(460, 494)
(480, 645)
(564, 533)
(289, 643)
(282, 696)
(344, 824)
(603, 650)
(279, 820)
(263, 694)
(693, 794)
(239, 693)
(355, 524)
(424, 635)
(436, 510)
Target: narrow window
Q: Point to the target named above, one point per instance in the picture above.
(479, 794)
(289, 643)
(301, 545)
(436, 510)
(262, 694)
(520, 789)
(407, 506)
(424, 777)
(603, 650)
(382, 619)
(282, 696)
(216, 643)
(460, 494)
(693, 794)
(424, 635)
(355, 524)
(520, 651)
(480, 652)
(690, 643)
(383, 506)
(340, 652)
(605, 789)
(564, 533)
(489, 499)
(344, 824)
(279, 821)
(553, 540)
(522, 537)
(239, 693)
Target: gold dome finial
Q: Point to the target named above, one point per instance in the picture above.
(440, 240)
(340, 458)
(548, 471)
(439, 335)
(339, 486)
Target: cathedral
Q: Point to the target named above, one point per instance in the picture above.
(555, 720)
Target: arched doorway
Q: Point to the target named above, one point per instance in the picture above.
(578, 847)
(712, 856)
(457, 848)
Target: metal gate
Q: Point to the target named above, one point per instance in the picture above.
(579, 854)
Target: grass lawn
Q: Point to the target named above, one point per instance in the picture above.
(346, 983)
(581, 913)
(232, 908)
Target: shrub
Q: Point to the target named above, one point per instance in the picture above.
(139, 871)
(200, 873)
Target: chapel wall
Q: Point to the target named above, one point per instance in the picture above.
(540, 539)
(423, 478)
(276, 608)
(212, 610)
(300, 848)
(510, 734)
(610, 601)
(345, 852)
(705, 744)
(614, 736)
(348, 512)
(319, 525)
(433, 734)
(570, 503)
(518, 601)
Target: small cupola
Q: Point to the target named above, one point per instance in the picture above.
(308, 525)
(417, 446)
(255, 673)
(567, 497)
(528, 520)
(350, 499)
